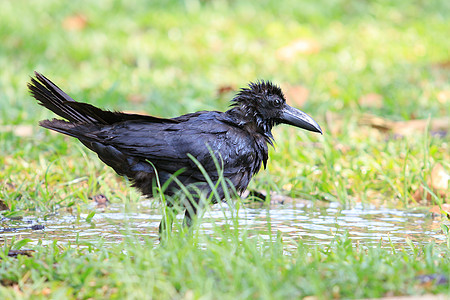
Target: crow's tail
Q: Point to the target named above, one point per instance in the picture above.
(53, 98)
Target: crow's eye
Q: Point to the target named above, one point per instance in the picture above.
(277, 102)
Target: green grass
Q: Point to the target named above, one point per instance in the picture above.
(226, 266)
(172, 58)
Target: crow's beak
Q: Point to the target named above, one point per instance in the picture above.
(297, 118)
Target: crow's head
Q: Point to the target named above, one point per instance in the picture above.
(264, 103)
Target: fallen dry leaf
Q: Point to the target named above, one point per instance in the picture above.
(300, 46)
(75, 22)
(296, 95)
(406, 128)
(224, 89)
(442, 65)
(438, 184)
(371, 100)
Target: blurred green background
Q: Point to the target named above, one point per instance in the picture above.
(175, 55)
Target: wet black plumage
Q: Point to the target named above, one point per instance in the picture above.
(134, 145)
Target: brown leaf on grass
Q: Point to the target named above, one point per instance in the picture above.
(300, 46)
(411, 127)
(442, 65)
(406, 128)
(371, 100)
(376, 122)
(296, 95)
(438, 184)
(225, 89)
(75, 22)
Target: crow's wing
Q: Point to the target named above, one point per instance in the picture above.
(167, 145)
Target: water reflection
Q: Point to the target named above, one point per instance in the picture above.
(313, 225)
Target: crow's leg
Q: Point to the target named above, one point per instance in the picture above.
(191, 212)
(165, 227)
(255, 196)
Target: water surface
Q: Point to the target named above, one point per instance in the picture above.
(311, 223)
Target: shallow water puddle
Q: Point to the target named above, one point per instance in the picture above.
(311, 224)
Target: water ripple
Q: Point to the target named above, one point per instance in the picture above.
(312, 225)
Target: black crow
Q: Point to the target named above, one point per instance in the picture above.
(145, 148)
